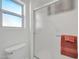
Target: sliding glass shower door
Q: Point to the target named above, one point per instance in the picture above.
(47, 39)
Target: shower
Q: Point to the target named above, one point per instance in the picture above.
(53, 8)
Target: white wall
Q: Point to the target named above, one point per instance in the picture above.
(12, 36)
(46, 41)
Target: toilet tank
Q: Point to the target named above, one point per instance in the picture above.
(16, 52)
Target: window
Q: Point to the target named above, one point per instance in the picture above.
(11, 20)
(12, 13)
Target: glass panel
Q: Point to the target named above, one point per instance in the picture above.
(12, 6)
(11, 21)
(0, 4)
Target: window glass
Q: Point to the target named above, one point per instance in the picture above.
(0, 4)
(11, 6)
(11, 21)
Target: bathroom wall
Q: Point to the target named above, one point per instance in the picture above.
(47, 36)
(13, 36)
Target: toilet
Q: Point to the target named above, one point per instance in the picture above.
(16, 52)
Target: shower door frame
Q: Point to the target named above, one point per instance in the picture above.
(33, 21)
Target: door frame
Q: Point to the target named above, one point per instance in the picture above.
(32, 26)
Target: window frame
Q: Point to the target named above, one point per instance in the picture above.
(14, 14)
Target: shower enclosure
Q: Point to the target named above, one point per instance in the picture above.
(46, 31)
